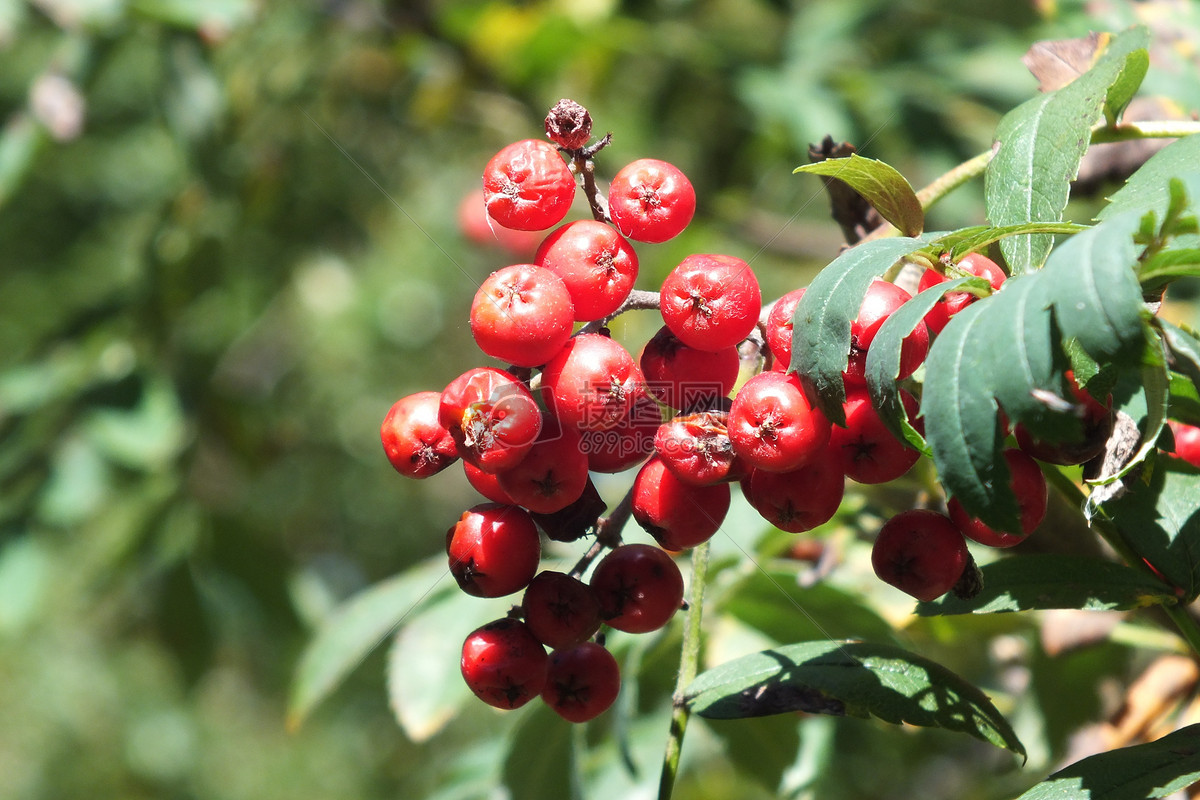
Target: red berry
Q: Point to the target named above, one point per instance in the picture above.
(592, 382)
(503, 664)
(881, 300)
(560, 610)
(651, 201)
(597, 265)
(639, 587)
(487, 484)
(494, 550)
(527, 186)
(773, 426)
(678, 515)
(629, 443)
(522, 315)
(865, 449)
(481, 229)
(951, 303)
(711, 302)
(799, 500)
(779, 329)
(581, 682)
(552, 475)
(492, 417)
(414, 441)
(1028, 484)
(696, 448)
(921, 553)
(684, 377)
(1187, 441)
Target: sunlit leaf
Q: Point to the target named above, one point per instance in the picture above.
(881, 184)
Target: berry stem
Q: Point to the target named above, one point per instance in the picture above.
(608, 534)
(689, 660)
(638, 300)
(584, 165)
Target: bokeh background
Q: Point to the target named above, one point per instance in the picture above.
(230, 238)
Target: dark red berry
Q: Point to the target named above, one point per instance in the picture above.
(678, 515)
(504, 664)
(799, 500)
(711, 302)
(865, 449)
(414, 441)
(494, 550)
(561, 610)
(569, 125)
(921, 553)
(582, 681)
(651, 201)
(639, 588)
(527, 186)
(1028, 484)
(522, 315)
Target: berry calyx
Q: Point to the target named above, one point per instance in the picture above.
(596, 264)
(560, 610)
(414, 441)
(921, 553)
(639, 588)
(494, 550)
(799, 500)
(582, 682)
(592, 382)
(553, 473)
(678, 515)
(651, 200)
(503, 664)
(711, 302)
(1028, 484)
(522, 315)
(683, 377)
(527, 186)
(491, 416)
(772, 425)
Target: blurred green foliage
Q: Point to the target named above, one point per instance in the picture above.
(229, 240)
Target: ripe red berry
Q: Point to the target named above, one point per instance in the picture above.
(597, 265)
(773, 426)
(487, 484)
(865, 449)
(697, 450)
(678, 515)
(414, 441)
(504, 664)
(951, 303)
(522, 314)
(799, 500)
(881, 300)
(1187, 441)
(527, 186)
(561, 610)
(581, 682)
(552, 475)
(779, 329)
(629, 443)
(711, 301)
(592, 382)
(1028, 484)
(492, 417)
(494, 550)
(921, 553)
(651, 201)
(684, 377)
(639, 588)
(481, 229)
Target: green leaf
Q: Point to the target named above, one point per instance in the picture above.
(978, 237)
(541, 760)
(881, 184)
(853, 678)
(1133, 71)
(355, 629)
(1027, 583)
(883, 358)
(1183, 402)
(1040, 144)
(821, 323)
(1148, 189)
(1158, 518)
(1156, 382)
(1183, 347)
(1169, 265)
(1141, 772)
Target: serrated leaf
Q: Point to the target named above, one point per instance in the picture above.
(883, 357)
(854, 678)
(1141, 772)
(1158, 518)
(1169, 265)
(976, 238)
(1028, 583)
(425, 691)
(354, 630)
(1148, 189)
(1040, 144)
(881, 184)
(821, 322)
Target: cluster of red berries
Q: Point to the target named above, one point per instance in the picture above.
(574, 401)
